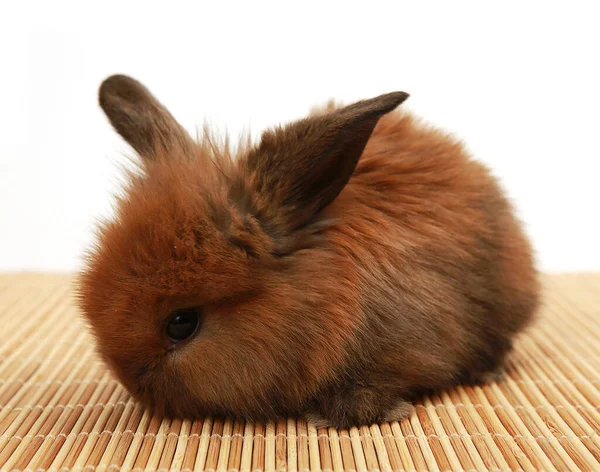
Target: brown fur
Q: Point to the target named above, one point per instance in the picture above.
(347, 263)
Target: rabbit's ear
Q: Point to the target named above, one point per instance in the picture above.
(141, 119)
(299, 169)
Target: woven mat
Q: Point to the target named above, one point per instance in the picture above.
(61, 409)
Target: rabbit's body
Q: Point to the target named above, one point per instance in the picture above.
(334, 279)
(443, 274)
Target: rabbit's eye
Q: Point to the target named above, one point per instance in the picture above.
(183, 324)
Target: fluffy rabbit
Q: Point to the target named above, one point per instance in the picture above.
(343, 265)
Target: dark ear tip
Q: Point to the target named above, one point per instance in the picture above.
(379, 105)
(394, 99)
(115, 82)
(121, 87)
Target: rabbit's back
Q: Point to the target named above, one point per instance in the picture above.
(446, 274)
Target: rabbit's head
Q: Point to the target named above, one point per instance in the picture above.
(213, 289)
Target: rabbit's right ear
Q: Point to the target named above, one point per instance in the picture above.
(299, 169)
(140, 118)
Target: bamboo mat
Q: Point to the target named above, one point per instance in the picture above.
(61, 410)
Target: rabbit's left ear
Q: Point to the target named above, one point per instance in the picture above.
(299, 169)
(140, 118)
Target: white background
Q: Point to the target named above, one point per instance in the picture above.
(518, 81)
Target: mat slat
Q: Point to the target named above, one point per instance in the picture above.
(61, 409)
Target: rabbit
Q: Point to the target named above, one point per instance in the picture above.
(336, 269)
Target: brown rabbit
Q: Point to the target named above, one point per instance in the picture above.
(348, 262)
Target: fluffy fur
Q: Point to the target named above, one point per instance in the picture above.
(346, 263)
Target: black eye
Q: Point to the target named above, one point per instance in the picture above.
(183, 324)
